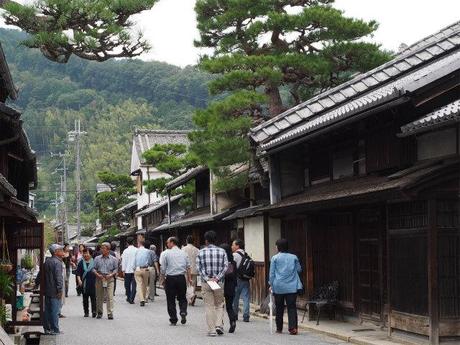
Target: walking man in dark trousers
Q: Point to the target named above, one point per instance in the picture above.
(175, 265)
(54, 288)
(128, 266)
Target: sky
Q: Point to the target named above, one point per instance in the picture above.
(170, 26)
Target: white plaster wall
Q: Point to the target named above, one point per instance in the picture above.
(145, 199)
(274, 234)
(254, 237)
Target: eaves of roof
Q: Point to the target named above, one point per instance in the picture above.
(185, 177)
(394, 90)
(441, 117)
(414, 57)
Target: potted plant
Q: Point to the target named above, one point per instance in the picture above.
(6, 285)
(5, 263)
(6, 290)
(27, 262)
(6, 266)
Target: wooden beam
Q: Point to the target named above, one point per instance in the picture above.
(433, 291)
(266, 251)
(309, 283)
(388, 270)
(16, 157)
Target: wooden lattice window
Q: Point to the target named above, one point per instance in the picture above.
(449, 258)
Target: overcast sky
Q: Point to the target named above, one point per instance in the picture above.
(171, 27)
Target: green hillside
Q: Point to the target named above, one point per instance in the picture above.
(109, 98)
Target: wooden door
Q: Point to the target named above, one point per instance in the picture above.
(293, 230)
(370, 263)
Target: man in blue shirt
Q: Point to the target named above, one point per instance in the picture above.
(144, 260)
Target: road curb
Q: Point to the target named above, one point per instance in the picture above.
(349, 339)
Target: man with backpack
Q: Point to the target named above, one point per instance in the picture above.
(245, 271)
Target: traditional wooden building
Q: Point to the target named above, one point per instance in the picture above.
(202, 215)
(364, 179)
(143, 140)
(20, 232)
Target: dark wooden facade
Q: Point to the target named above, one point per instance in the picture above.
(378, 211)
(19, 228)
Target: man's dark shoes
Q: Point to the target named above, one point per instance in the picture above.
(99, 316)
(219, 330)
(86, 315)
(172, 322)
(131, 302)
(110, 317)
(293, 331)
(183, 319)
(246, 319)
(94, 315)
(232, 327)
(142, 304)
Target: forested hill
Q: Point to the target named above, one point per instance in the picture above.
(110, 99)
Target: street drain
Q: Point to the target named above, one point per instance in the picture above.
(363, 330)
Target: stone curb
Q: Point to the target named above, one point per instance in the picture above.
(342, 337)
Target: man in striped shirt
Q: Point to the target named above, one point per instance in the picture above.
(212, 263)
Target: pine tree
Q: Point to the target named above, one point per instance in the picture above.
(93, 30)
(270, 55)
(173, 160)
(121, 187)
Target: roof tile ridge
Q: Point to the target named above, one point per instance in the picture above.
(397, 59)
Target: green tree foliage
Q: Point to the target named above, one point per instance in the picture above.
(269, 55)
(173, 160)
(121, 187)
(93, 30)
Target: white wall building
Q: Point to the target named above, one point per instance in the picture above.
(143, 140)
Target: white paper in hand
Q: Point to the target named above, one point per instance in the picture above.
(213, 285)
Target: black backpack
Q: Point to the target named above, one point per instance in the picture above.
(247, 269)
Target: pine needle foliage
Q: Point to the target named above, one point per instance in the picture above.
(90, 29)
(267, 56)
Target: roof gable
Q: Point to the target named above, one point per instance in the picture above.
(414, 57)
(144, 139)
(7, 88)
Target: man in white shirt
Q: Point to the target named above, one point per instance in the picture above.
(192, 253)
(128, 266)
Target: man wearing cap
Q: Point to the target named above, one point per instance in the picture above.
(105, 269)
(54, 288)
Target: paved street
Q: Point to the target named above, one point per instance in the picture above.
(149, 325)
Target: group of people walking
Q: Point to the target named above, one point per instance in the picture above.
(225, 272)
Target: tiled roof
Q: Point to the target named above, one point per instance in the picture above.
(374, 98)
(6, 81)
(145, 139)
(185, 177)
(193, 219)
(155, 206)
(127, 206)
(448, 114)
(245, 212)
(414, 57)
(320, 195)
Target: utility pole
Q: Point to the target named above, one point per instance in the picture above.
(65, 224)
(75, 136)
(64, 167)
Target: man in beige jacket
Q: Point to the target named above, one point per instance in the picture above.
(192, 253)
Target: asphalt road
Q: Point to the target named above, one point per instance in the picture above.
(149, 325)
